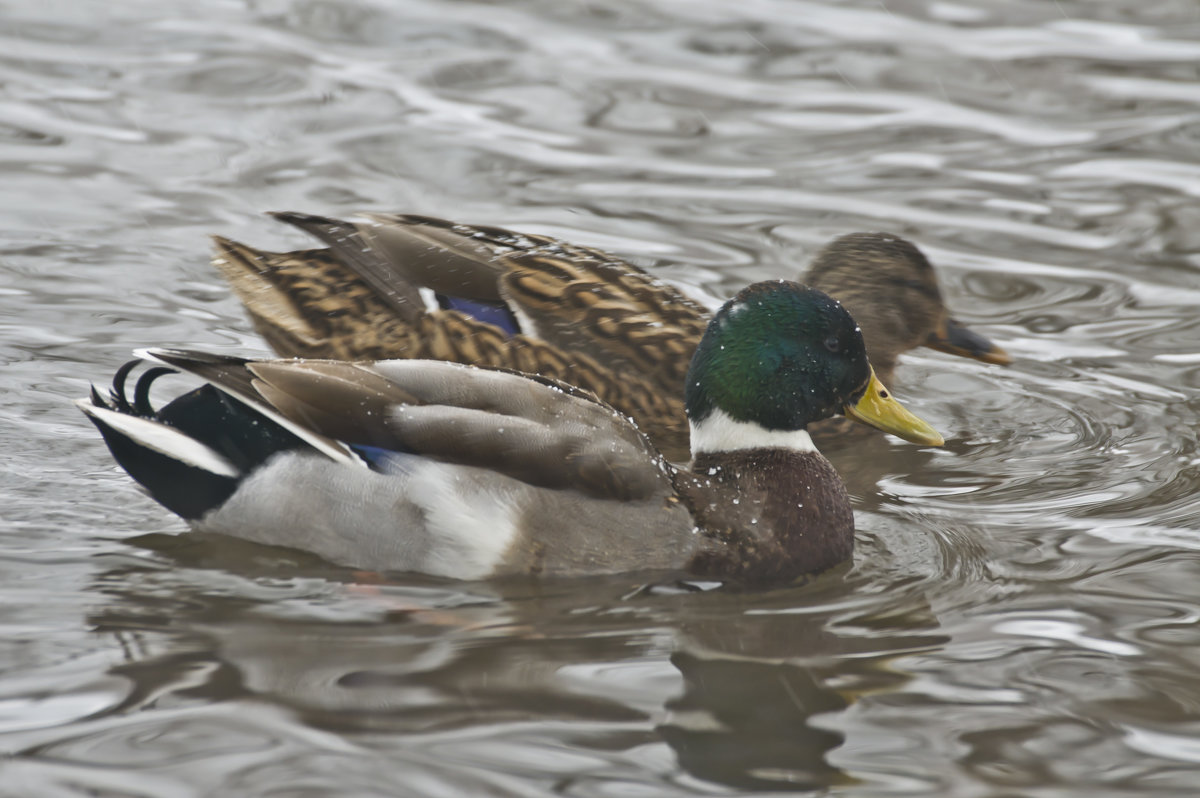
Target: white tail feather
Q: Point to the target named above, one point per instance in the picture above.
(163, 439)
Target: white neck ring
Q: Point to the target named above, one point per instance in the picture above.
(720, 433)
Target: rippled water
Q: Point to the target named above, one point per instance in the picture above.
(1021, 616)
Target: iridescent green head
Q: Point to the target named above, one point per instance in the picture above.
(779, 356)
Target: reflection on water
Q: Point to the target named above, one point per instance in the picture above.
(737, 689)
(1020, 616)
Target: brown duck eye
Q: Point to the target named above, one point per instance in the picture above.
(833, 344)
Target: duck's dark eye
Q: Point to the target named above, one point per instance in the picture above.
(833, 344)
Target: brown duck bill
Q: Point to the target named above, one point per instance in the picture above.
(878, 409)
(954, 338)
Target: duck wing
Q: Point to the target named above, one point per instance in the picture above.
(538, 431)
(577, 299)
(607, 326)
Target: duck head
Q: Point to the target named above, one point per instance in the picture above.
(889, 286)
(778, 357)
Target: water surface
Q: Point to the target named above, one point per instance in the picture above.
(1021, 614)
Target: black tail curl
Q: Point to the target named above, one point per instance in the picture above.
(243, 436)
(140, 406)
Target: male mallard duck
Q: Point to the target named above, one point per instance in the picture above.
(542, 306)
(458, 471)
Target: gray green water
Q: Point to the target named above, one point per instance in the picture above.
(1021, 616)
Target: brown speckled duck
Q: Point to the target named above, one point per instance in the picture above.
(543, 306)
(458, 471)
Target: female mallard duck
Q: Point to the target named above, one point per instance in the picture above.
(542, 306)
(457, 471)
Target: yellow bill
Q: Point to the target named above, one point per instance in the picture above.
(878, 409)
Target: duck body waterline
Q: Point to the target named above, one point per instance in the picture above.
(543, 306)
(457, 471)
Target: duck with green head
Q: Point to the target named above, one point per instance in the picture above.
(457, 471)
(544, 306)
